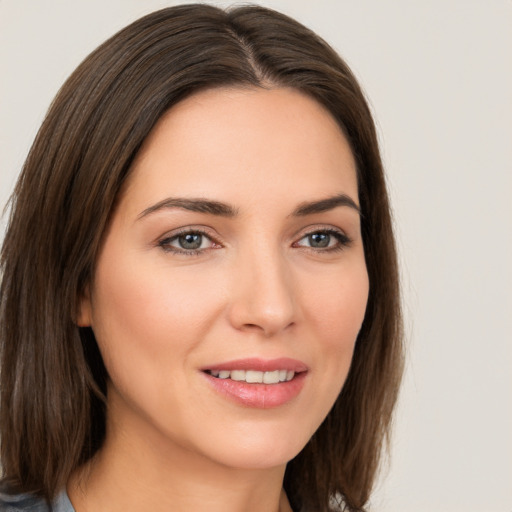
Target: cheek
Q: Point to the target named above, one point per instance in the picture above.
(337, 305)
(148, 324)
(149, 310)
(336, 311)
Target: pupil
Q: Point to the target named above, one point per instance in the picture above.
(190, 241)
(319, 239)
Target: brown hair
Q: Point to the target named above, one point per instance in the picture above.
(53, 382)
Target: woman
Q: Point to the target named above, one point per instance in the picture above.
(199, 304)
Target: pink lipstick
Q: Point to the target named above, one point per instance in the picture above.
(256, 382)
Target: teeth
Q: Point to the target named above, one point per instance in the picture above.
(254, 376)
(238, 375)
(271, 377)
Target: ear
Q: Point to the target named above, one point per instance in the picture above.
(84, 313)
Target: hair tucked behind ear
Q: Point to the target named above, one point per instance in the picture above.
(53, 382)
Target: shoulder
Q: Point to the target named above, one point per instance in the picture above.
(30, 503)
(22, 502)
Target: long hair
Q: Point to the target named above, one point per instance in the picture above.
(53, 382)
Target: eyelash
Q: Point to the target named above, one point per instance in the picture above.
(343, 241)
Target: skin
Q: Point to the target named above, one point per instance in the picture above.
(255, 288)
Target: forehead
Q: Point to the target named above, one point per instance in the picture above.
(238, 144)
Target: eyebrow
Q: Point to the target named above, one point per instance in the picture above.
(324, 205)
(194, 205)
(218, 208)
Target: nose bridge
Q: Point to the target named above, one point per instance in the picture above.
(263, 298)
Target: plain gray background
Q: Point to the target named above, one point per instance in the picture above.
(439, 78)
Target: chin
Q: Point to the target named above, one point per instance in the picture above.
(258, 450)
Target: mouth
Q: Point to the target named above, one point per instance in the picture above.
(258, 383)
(254, 376)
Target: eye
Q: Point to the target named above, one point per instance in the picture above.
(324, 240)
(188, 242)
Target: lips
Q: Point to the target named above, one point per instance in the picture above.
(258, 383)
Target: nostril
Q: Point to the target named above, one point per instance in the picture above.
(266, 328)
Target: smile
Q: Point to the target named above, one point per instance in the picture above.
(258, 383)
(254, 376)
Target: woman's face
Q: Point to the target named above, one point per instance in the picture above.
(232, 283)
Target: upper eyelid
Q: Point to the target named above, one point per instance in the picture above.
(204, 230)
(189, 229)
(318, 228)
(339, 235)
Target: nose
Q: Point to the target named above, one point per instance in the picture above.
(263, 300)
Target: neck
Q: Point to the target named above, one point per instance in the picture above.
(133, 472)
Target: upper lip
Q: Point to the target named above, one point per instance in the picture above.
(259, 364)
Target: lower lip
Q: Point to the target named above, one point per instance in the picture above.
(259, 396)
